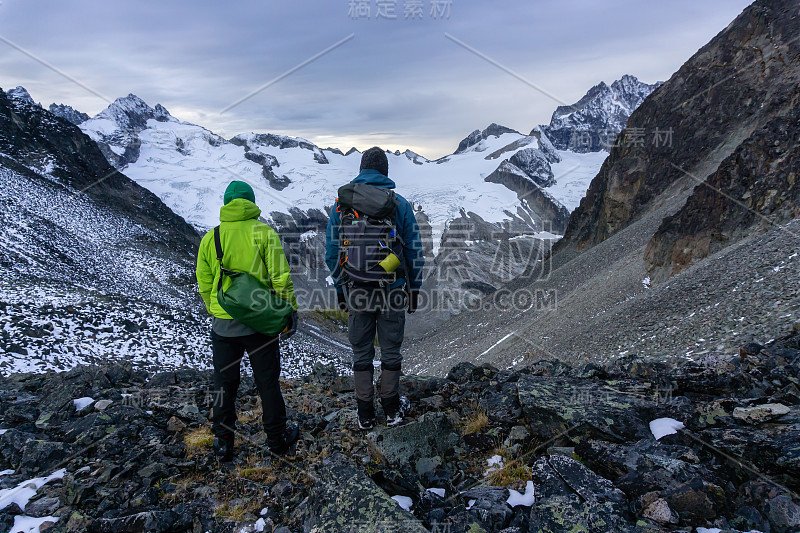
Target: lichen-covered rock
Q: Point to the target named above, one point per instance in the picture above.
(565, 406)
(42, 456)
(559, 506)
(783, 514)
(432, 435)
(346, 499)
(502, 405)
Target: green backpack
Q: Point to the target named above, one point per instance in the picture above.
(249, 301)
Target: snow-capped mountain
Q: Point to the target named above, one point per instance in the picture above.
(95, 267)
(500, 182)
(592, 123)
(188, 167)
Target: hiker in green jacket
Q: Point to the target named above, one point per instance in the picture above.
(248, 246)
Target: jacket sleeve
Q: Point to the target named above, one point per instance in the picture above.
(332, 247)
(205, 276)
(278, 267)
(412, 246)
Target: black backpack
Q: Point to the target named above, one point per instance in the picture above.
(368, 235)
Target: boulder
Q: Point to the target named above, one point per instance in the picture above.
(559, 482)
(12, 442)
(466, 371)
(696, 500)
(569, 407)
(21, 413)
(102, 405)
(175, 425)
(783, 514)
(344, 497)
(429, 436)
(657, 509)
(758, 414)
(42, 507)
(40, 456)
(421, 387)
(584, 482)
(502, 405)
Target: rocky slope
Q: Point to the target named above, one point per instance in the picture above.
(68, 113)
(758, 185)
(548, 447)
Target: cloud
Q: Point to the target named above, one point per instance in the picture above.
(399, 82)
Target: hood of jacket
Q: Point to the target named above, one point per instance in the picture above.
(373, 177)
(238, 209)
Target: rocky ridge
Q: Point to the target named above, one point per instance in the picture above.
(581, 440)
(68, 113)
(592, 123)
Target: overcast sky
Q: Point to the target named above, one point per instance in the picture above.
(398, 82)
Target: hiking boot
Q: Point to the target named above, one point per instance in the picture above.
(395, 408)
(366, 414)
(289, 437)
(223, 448)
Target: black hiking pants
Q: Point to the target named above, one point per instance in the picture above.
(264, 355)
(383, 312)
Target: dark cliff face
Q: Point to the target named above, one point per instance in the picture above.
(758, 185)
(730, 88)
(33, 138)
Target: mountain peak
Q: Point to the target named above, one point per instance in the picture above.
(492, 130)
(68, 113)
(131, 113)
(20, 94)
(592, 123)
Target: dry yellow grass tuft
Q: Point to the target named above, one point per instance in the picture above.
(475, 421)
(513, 474)
(236, 512)
(252, 470)
(198, 439)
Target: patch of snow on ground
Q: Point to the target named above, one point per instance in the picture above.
(494, 463)
(526, 500)
(662, 427)
(25, 490)
(403, 501)
(82, 403)
(29, 524)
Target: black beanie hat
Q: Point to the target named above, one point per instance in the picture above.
(375, 159)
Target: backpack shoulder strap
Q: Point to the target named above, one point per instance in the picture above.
(218, 246)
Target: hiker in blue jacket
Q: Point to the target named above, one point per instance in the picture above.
(378, 309)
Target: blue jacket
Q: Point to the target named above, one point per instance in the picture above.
(407, 228)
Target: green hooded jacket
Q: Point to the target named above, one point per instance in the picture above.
(247, 245)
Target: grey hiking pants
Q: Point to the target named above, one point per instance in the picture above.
(381, 312)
